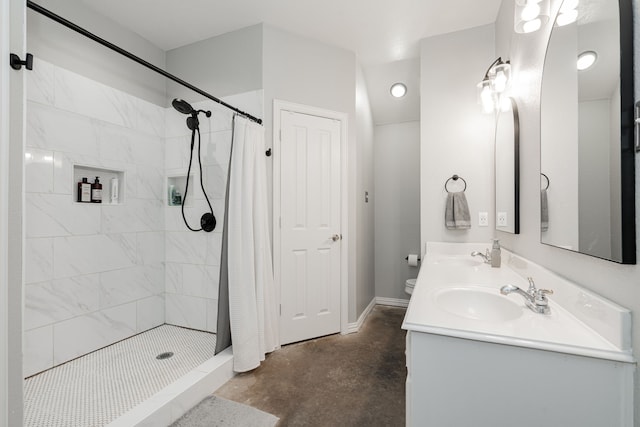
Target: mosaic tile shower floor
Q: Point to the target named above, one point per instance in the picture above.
(97, 388)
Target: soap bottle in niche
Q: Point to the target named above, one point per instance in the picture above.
(96, 191)
(495, 253)
(114, 191)
(172, 195)
(84, 191)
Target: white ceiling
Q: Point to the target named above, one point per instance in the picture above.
(379, 31)
(384, 34)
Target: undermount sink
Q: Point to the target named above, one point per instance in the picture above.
(478, 304)
(458, 261)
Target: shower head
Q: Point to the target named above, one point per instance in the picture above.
(182, 106)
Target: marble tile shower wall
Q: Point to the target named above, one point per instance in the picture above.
(192, 266)
(96, 274)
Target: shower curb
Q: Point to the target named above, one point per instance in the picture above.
(173, 401)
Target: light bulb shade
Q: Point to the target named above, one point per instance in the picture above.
(568, 5)
(530, 15)
(505, 104)
(530, 11)
(486, 96)
(566, 18)
(500, 75)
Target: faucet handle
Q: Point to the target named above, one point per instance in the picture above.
(540, 296)
(532, 286)
(543, 292)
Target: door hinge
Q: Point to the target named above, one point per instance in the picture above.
(280, 222)
(280, 135)
(280, 309)
(16, 63)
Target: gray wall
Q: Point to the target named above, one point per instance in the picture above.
(304, 71)
(397, 203)
(593, 171)
(58, 45)
(224, 65)
(620, 283)
(456, 137)
(365, 289)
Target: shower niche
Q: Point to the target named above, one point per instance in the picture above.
(176, 186)
(112, 183)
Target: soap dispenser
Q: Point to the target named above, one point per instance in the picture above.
(84, 191)
(96, 191)
(495, 253)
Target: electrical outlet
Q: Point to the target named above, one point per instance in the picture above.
(483, 219)
(502, 219)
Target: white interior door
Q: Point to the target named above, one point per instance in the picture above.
(310, 230)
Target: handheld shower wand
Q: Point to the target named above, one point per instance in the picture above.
(208, 219)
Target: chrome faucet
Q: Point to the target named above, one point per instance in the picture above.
(535, 299)
(485, 256)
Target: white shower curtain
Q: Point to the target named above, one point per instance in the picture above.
(252, 313)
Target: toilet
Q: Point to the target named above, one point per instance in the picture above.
(409, 285)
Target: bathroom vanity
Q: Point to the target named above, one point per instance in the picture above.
(479, 358)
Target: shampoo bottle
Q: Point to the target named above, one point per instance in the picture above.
(495, 254)
(172, 195)
(96, 191)
(84, 191)
(114, 191)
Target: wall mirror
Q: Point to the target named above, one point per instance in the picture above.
(507, 163)
(586, 154)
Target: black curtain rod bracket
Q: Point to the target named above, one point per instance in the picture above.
(17, 63)
(59, 19)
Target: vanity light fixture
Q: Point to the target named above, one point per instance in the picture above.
(530, 15)
(586, 59)
(568, 13)
(494, 83)
(398, 90)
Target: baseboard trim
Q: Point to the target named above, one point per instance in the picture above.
(355, 327)
(394, 302)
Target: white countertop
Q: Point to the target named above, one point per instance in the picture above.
(451, 266)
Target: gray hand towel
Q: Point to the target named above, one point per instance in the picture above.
(456, 215)
(544, 211)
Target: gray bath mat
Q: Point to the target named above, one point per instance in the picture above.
(218, 412)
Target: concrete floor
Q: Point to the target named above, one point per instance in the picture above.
(339, 380)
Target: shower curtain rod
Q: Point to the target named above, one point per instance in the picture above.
(36, 7)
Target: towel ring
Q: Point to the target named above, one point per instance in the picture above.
(455, 178)
(548, 182)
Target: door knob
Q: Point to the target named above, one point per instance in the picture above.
(336, 237)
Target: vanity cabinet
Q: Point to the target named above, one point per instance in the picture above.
(457, 382)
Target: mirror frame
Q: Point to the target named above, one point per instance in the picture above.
(627, 149)
(516, 167)
(627, 126)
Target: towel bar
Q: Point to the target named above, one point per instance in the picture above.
(455, 178)
(548, 182)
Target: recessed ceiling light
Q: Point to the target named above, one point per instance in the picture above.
(398, 90)
(586, 59)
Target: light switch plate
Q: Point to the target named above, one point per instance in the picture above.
(483, 219)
